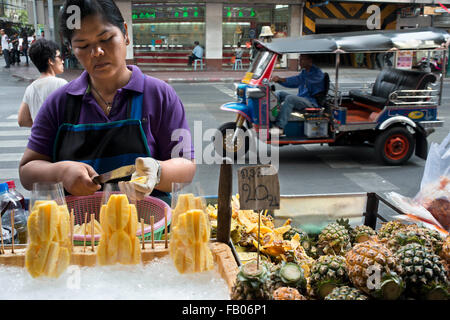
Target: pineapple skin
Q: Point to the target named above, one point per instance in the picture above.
(249, 287)
(346, 293)
(370, 254)
(422, 270)
(327, 272)
(276, 281)
(287, 293)
(334, 239)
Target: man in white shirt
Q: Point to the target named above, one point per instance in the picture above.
(5, 47)
(47, 58)
(197, 53)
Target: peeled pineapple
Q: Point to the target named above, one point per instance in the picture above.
(48, 253)
(118, 241)
(189, 237)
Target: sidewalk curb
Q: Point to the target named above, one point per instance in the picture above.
(197, 80)
(190, 80)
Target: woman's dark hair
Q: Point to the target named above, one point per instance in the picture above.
(106, 9)
(42, 50)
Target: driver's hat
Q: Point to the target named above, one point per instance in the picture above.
(266, 32)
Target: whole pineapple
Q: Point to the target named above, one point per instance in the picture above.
(293, 231)
(415, 234)
(334, 239)
(287, 275)
(371, 267)
(327, 272)
(251, 282)
(423, 271)
(388, 228)
(445, 252)
(286, 293)
(362, 233)
(346, 293)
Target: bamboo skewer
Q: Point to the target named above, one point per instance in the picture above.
(2, 250)
(142, 234)
(85, 225)
(92, 232)
(72, 222)
(259, 239)
(152, 222)
(12, 230)
(165, 228)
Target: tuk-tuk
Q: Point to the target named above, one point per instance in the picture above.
(394, 118)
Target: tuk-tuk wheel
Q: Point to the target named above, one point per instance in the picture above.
(394, 146)
(223, 137)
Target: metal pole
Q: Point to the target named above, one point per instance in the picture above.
(51, 20)
(370, 218)
(443, 73)
(35, 17)
(336, 83)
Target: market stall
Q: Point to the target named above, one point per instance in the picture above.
(332, 247)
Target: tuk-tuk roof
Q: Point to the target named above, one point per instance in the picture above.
(361, 41)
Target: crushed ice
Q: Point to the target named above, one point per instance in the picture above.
(158, 280)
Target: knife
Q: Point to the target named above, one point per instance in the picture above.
(114, 174)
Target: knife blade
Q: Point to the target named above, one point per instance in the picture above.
(114, 174)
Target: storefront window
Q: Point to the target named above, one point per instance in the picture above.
(165, 27)
(244, 22)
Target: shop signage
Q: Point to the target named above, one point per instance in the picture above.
(259, 188)
(404, 59)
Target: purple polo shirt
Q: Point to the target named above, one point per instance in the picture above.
(162, 113)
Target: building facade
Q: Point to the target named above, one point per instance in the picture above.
(163, 32)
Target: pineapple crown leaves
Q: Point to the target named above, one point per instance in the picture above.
(345, 223)
(404, 238)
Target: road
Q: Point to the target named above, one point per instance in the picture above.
(311, 169)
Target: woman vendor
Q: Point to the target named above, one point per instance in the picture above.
(111, 116)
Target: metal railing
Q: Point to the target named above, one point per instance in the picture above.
(414, 97)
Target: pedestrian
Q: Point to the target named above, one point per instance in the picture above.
(197, 53)
(310, 82)
(111, 116)
(34, 39)
(15, 49)
(238, 52)
(5, 48)
(47, 58)
(25, 47)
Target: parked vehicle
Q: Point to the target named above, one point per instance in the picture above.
(395, 118)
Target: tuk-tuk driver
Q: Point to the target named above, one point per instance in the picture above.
(310, 81)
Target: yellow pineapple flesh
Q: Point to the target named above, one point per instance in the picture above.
(48, 252)
(118, 241)
(189, 237)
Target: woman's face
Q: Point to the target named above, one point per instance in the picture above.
(58, 65)
(100, 47)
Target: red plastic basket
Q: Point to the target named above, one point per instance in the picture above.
(146, 208)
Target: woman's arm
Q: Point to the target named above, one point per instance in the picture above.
(75, 176)
(178, 170)
(24, 117)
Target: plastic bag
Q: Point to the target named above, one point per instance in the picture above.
(431, 205)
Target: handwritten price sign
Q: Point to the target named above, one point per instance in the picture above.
(259, 188)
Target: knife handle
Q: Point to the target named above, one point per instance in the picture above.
(96, 180)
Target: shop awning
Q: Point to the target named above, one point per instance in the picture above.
(365, 41)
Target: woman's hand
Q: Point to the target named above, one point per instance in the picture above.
(77, 178)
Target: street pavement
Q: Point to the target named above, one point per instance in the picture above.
(311, 169)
